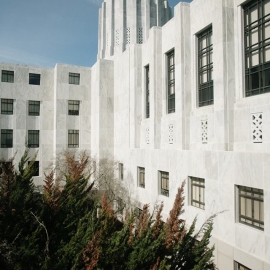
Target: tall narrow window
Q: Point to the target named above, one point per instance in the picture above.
(7, 76)
(34, 108)
(205, 67)
(34, 78)
(197, 192)
(171, 82)
(74, 78)
(6, 106)
(147, 92)
(257, 47)
(6, 138)
(251, 206)
(33, 138)
(73, 107)
(121, 171)
(73, 138)
(164, 183)
(141, 177)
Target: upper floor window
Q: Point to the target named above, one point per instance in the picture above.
(7, 76)
(141, 177)
(171, 82)
(197, 192)
(251, 207)
(257, 47)
(6, 106)
(33, 138)
(34, 108)
(6, 138)
(147, 92)
(73, 107)
(164, 183)
(73, 138)
(205, 67)
(34, 78)
(74, 78)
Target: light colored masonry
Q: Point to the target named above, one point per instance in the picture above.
(172, 98)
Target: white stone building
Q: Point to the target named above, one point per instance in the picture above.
(172, 99)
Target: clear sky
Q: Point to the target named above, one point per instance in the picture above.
(46, 32)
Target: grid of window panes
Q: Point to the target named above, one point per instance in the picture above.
(73, 107)
(7, 76)
(251, 207)
(257, 47)
(6, 106)
(147, 92)
(34, 108)
(73, 138)
(34, 78)
(121, 171)
(205, 67)
(171, 82)
(141, 176)
(239, 266)
(33, 138)
(74, 78)
(164, 183)
(35, 167)
(197, 192)
(6, 138)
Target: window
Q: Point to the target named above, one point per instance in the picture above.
(5, 166)
(33, 138)
(141, 177)
(251, 207)
(164, 183)
(34, 108)
(147, 92)
(239, 266)
(74, 78)
(34, 78)
(6, 106)
(6, 138)
(73, 107)
(121, 171)
(205, 67)
(197, 186)
(257, 47)
(35, 167)
(73, 138)
(171, 81)
(7, 76)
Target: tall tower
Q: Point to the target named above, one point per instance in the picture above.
(125, 22)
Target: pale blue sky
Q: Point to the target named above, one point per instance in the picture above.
(46, 32)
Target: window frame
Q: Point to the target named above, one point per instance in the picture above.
(147, 91)
(141, 173)
(34, 78)
(34, 108)
(9, 136)
(9, 104)
(72, 104)
(199, 185)
(74, 78)
(170, 69)
(33, 138)
(164, 181)
(239, 266)
(73, 138)
(8, 75)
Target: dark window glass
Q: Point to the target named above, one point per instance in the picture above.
(141, 177)
(251, 207)
(164, 183)
(205, 67)
(35, 167)
(171, 82)
(147, 92)
(239, 266)
(34, 108)
(6, 106)
(33, 138)
(6, 138)
(197, 192)
(73, 107)
(7, 76)
(74, 78)
(121, 171)
(34, 78)
(257, 47)
(73, 138)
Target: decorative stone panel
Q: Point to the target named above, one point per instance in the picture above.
(204, 130)
(147, 135)
(117, 42)
(256, 127)
(128, 35)
(140, 35)
(171, 139)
